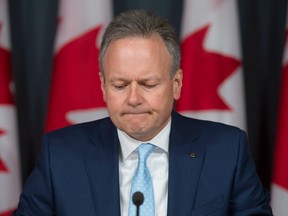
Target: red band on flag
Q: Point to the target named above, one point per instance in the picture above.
(281, 160)
(5, 77)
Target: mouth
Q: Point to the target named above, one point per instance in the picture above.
(135, 113)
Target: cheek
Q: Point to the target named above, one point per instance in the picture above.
(161, 100)
(114, 101)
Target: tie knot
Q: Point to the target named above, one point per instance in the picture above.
(144, 150)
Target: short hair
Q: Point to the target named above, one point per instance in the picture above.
(141, 23)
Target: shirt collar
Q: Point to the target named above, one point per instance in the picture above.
(128, 144)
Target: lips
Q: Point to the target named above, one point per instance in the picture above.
(142, 113)
(136, 113)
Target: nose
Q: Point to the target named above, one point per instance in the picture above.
(134, 97)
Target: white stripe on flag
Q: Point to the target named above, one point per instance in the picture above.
(279, 197)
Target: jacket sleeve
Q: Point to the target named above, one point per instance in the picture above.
(248, 197)
(37, 196)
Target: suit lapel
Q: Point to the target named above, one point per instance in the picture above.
(102, 167)
(101, 162)
(186, 155)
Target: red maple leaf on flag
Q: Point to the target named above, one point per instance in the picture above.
(75, 82)
(204, 71)
(5, 94)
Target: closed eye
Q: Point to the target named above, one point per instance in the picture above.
(119, 87)
(149, 86)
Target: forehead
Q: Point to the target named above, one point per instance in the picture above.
(137, 55)
(153, 42)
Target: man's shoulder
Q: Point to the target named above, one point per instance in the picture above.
(82, 129)
(208, 126)
(70, 142)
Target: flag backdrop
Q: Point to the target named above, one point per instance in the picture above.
(211, 62)
(75, 94)
(9, 161)
(279, 188)
(262, 23)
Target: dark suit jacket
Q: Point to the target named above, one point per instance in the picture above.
(210, 172)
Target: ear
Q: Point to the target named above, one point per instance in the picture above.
(177, 84)
(102, 80)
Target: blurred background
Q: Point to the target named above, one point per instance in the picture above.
(232, 58)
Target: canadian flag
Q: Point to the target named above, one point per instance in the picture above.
(10, 185)
(279, 187)
(211, 62)
(75, 94)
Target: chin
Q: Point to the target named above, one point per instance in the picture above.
(140, 136)
(135, 131)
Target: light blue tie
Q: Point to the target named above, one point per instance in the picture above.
(142, 182)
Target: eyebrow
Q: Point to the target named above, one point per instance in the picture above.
(114, 79)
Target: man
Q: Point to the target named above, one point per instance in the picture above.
(196, 167)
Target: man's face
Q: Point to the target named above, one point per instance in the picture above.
(137, 86)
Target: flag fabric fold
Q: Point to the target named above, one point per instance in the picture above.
(211, 62)
(10, 183)
(75, 94)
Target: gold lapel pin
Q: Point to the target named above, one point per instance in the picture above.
(192, 155)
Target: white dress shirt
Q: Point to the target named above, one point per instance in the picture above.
(157, 163)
